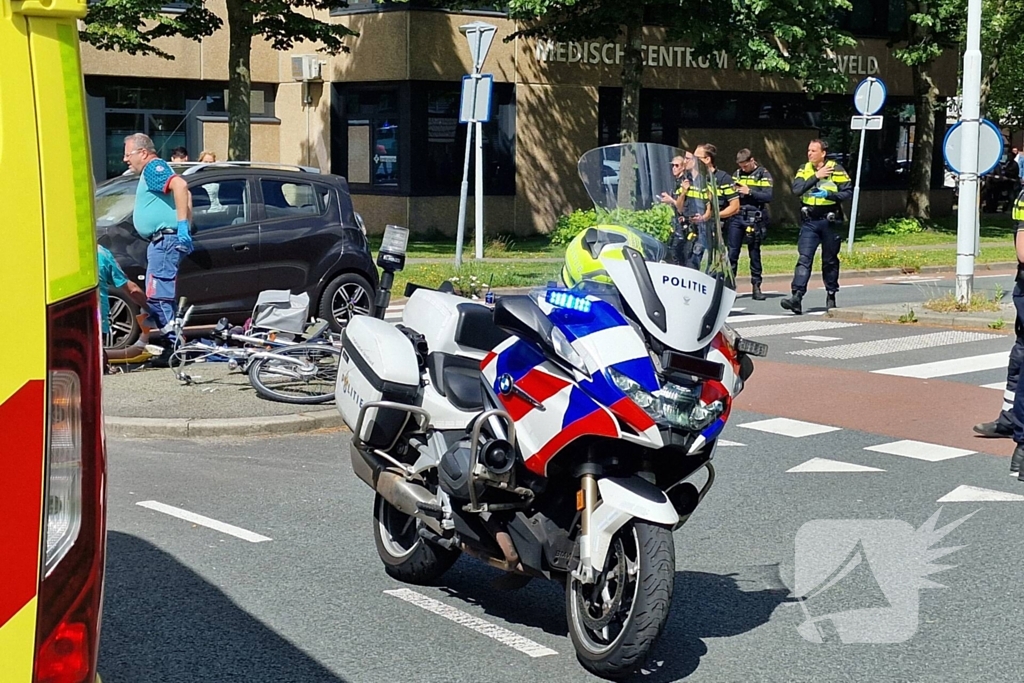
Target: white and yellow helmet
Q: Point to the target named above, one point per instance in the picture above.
(582, 255)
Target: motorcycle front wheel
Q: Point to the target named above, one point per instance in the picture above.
(615, 621)
(405, 555)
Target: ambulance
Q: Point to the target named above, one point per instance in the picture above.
(52, 453)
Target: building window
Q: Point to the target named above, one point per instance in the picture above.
(663, 113)
(406, 139)
(436, 106)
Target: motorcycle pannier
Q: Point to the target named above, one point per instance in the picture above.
(378, 363)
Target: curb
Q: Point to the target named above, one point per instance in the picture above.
(924, 319)
(182, 428)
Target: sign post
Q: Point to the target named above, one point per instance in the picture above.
(868, 98)
(970, 121)
(474, 111)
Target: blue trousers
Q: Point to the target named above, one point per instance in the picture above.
(1018, 400)
(813, 233)
(736, 236)
(162, 259)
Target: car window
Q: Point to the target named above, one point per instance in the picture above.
(115, 202)
(219, 203)
(283, 199)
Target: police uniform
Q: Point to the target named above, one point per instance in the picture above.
(817, 215)
(751, 224)
(1017, 353)
(685, 248)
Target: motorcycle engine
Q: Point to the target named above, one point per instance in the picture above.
(495, 458)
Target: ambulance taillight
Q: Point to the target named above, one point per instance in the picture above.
(74, 530)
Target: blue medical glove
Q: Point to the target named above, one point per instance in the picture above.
(819, 194)
(184, 238)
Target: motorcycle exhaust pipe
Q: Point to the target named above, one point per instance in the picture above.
(405, 496)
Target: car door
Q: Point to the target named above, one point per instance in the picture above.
(296, 231)
(221, 276)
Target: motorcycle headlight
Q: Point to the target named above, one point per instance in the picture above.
(675, 404)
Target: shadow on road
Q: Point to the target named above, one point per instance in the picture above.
(163, 623)
(704, 605)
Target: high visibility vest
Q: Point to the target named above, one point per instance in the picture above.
(829, 183)
(759, 177)
(1018, 208)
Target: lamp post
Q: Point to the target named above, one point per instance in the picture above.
(970, 116)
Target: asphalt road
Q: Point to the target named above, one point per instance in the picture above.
(186, 602)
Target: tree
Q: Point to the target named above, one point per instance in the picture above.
(791, 39)
(1002, 81)
(932, 27)
(131, 26)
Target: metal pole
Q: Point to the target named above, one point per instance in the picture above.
(463, 198)
(856, 184)
(479, 190)
(967, 210)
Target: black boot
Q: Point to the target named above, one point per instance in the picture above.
(830, 301)
(793, 303)
(994, 430)
(756, 294)
(1017, 459)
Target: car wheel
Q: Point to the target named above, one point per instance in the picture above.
(124, 328)
(346, 296)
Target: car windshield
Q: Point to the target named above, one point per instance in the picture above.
(115, 201)
(629, 184)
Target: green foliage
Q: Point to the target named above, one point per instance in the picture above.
(656, 222)
(131, 25)
(997, 324)
(908, 317)
(899, 225)
(569, 226)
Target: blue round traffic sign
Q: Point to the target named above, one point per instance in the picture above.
(869, 97)
(990, 147)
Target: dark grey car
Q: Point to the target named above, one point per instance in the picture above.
(255, 227)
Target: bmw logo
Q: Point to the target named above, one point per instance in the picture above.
(505, 384)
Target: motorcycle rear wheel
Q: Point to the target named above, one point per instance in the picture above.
(615, 622)
(405, 555)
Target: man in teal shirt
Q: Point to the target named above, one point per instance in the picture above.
(111, 277)
(162, 215)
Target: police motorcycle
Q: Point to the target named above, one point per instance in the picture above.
(563, 435)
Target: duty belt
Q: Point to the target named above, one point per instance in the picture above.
(159, 234)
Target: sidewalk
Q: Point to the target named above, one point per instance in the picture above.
(152, 403)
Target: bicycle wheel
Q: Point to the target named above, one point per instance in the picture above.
(302, 374)
(193, 352)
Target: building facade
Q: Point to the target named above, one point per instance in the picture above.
(385, 115)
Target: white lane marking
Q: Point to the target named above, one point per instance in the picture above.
(994, 385)
(978, 277)
(770, 291)
(793, 328)
(502, 635)
(786, 427)
(817, 338)
(881, 347)
(222, 527)
(743, 318)
(817, 313)
(916, 282)
(737, 310)
(726, 442)
(919, 450)
(955, 366)
(976, 494)
(826, 465)
(843, 287)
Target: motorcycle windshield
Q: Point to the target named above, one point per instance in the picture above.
(683, 289)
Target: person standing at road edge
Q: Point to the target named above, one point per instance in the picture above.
(821, 185)
(753, 182)
(162, 216)
(1017, 460)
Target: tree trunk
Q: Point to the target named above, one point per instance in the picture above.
(926, 97)
(632, 74)
(240, 23)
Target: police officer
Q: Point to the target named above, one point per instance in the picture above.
(821, 185)
(721, 188)
(753, 183)
(1017, 461)
(1004, 426)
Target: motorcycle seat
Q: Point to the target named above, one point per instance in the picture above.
(458, 379)
(476, 328)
